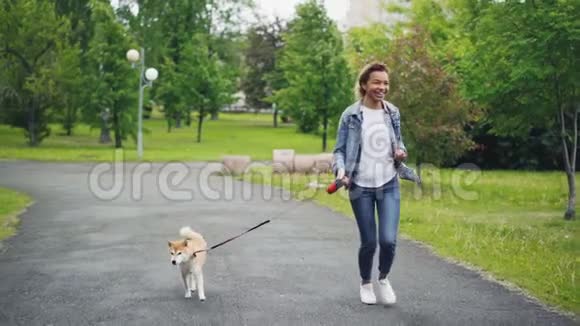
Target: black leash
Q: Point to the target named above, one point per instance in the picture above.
(233, 238)
(277, 216)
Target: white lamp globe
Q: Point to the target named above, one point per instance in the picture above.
(151, 74)
(133, 55)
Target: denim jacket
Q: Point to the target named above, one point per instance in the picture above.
(347, 150)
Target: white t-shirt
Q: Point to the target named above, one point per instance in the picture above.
(376, 165)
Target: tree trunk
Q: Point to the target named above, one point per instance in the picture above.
(188, 119)
(68, 124)
(117, 130)
(571, 210)
(178, 120)
(275, 116)
(325, 103)
(324, 131)
(199, 125)
(69, 121)
(168, 125)
(32, 135)
(570, 167)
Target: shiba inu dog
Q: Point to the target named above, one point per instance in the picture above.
(190, 263)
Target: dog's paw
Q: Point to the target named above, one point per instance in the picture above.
(187, 294)
(192, 290)
(202, 299)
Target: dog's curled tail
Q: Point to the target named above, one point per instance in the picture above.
(188, 233)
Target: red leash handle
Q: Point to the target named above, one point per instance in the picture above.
(333, 187)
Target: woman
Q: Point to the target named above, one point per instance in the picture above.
(368, 144)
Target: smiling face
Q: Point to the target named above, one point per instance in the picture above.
(377, 87)
(177, 251)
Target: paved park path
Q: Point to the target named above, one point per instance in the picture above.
(81, 260)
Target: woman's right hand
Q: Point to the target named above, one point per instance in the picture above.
(341, 175)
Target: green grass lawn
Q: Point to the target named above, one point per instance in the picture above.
(11, 203)
(509, 224)
(232, 134)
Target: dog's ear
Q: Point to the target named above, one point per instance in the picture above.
(169, 243)
(185, 243)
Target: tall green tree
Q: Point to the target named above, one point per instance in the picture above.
(367, 44)
(264, 41)
(179, 22)
(168, 30)
(523, 66)
(32, 41)
(204, 82)
(70, 86)
(221, 34)
(449, 27)
(315, 69)
(435, 115)
(114, 83)
(74, 85)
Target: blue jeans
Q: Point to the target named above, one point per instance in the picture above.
(386, 199)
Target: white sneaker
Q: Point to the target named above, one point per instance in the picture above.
(367, 294)
(386, 293)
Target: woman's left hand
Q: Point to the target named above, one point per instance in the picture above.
(400, 155)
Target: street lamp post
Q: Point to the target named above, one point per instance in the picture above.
(146, 78)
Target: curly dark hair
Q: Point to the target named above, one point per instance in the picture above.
(365, 74)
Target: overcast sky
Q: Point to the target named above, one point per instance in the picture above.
(285, 8)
